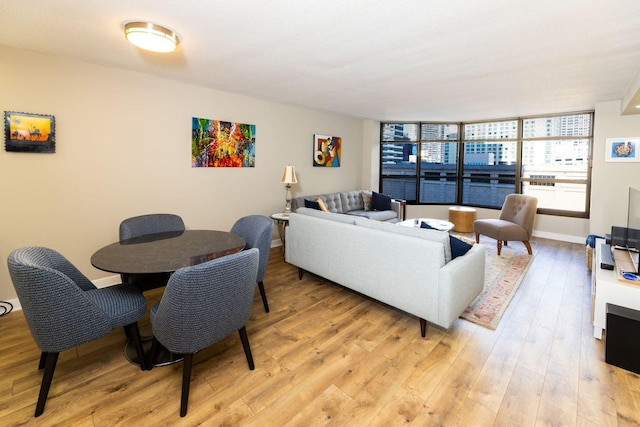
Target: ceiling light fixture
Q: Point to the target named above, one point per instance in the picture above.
(149, 36)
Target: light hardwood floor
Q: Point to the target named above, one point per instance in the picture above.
(328, 356)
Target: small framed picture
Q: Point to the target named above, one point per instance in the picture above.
(326, 151)
(28, 132)
(622, 150)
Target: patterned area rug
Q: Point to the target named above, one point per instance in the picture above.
(502, 277)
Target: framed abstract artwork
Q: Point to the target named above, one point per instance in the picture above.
(622, 150)
(327, 151)
(28, 132)
(220, 144)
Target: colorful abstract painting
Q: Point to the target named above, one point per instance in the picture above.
(218, 144)
(326, 151)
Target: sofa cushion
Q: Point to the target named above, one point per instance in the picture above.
(333, 202)
(376, 215)
(311, 204)
(347, 219)
(321, 205)
(380, 202)
(351, 201)
(366, 200)
(433, 235)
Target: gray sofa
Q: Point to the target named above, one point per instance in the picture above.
(352, 203)
(408, 268)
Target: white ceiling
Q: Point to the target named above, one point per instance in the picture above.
(380, 59)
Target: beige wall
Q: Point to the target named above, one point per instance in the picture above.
(123, 148)
(611, 180)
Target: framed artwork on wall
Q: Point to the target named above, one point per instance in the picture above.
(327, 151)
(219, 144)
(29, 132)
(622, 150)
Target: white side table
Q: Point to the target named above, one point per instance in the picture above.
(281, 220)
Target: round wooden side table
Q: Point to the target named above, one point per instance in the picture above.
(462, 217)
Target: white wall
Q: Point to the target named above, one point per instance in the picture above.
(123, 148)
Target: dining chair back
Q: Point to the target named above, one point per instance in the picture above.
(257, 231)
(140, 226)
(64, 309)
(203, 304)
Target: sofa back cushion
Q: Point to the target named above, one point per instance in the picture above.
(421, 233)
(351, 201)
(331, 216)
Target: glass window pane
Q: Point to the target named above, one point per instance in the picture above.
(569, 125)
(400, 188)
(439, 132)
(438, 172)
(399, 131)
(399, 159)
(558, 159)
(486, 193)
(490, 153)
(560, 196)
(491, 130)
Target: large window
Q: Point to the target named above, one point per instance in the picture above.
(479, 163)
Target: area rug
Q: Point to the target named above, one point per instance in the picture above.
(502, 277)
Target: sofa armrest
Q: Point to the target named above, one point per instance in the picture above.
(399, 206)
(461, 281)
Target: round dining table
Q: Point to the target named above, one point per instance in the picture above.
(164, 253)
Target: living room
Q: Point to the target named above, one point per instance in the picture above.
(123, 149)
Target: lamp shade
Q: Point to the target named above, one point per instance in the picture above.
(149, 36)
(289, 175)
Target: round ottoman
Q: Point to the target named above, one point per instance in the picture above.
(462, 218)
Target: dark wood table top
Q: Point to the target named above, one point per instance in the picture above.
(166, 252)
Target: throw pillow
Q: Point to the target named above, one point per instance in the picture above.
(320, 203)
(311, 204)
(366, 200)
(380, 202)
(458, 247)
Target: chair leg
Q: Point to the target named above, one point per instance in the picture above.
(186, 383)
(43, 359)
(263, 294)
(153, 353)
(247, 349)
(499, 246)
(133, 332)
(477, 237)
(528, 245)
(49, 369)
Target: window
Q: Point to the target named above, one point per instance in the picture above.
(479, 163)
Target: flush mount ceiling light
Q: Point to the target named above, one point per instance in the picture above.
(149, 36)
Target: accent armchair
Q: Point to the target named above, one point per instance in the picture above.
(64, 309)
(203, 304)
(257, 231)
(514, 223)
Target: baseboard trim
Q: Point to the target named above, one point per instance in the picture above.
(560, 237)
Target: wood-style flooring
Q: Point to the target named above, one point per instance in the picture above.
(328, 356)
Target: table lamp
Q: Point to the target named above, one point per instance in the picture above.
(288, 178)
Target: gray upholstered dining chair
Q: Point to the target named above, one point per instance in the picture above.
(203, 304)
(514, 223)
(64, 309)
(149, 224)
(257, 231)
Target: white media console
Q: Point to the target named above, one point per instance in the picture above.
(606, 288)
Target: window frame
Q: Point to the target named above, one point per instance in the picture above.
(518, 182)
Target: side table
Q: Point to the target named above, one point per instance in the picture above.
(281, 220)
(462, 217)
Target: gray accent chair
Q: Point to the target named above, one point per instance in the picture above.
(64, 309)
(203, 304)
(257, 230)
(149, 224)
(514, 223)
